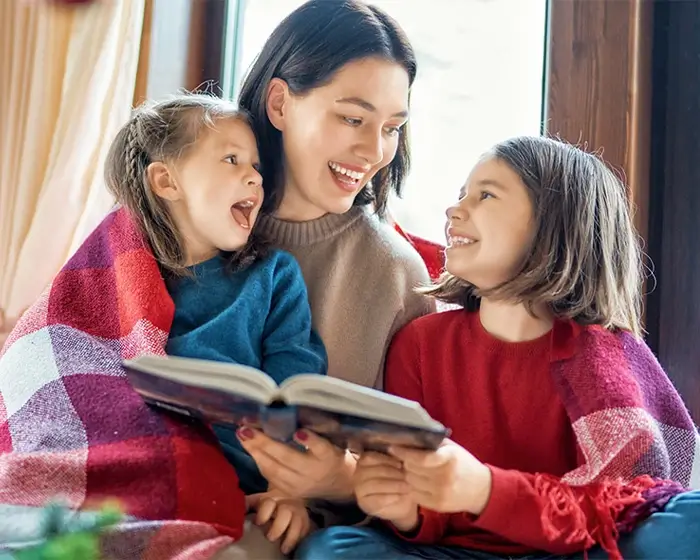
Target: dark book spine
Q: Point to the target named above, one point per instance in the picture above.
(279, 422)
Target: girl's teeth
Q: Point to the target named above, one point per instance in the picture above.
(357, 175)
(461, 241)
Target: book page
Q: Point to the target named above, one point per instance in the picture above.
(239, 380)
(343, 397)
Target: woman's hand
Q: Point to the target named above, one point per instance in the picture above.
(324, 471)
(287, 517)
(381, 491)
(447, 480)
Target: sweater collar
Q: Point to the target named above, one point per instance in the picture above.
(288, 233)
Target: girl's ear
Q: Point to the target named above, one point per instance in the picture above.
(275, 102)
(162, 182)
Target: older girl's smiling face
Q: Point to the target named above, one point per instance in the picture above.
(336, 137)
(491, 228)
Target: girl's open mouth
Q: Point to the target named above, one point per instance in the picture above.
(242, 211)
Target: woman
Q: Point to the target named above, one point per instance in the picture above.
(329, 94)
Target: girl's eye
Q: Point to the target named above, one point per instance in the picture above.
(392, 130)
(233, 160)
(257, 167)
(484, 195)
(352, 121)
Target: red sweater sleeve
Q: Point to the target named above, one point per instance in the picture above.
(541, 512)
(538, 512)
(402, 375)
(402, 378)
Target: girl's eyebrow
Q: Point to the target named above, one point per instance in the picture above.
(228, 145)
(492, 183)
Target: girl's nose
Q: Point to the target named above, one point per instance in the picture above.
(455, 212)
(254, 179)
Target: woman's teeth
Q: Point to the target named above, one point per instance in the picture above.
(356, 176)
(458, 240)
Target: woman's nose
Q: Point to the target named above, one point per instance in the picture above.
(370, 148)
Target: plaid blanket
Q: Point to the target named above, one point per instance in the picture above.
(638, 442)
(72, 428)
(628, 418)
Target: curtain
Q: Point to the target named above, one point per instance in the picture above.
(67, 77)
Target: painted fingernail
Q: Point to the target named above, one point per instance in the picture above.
(245, 433)
(301, 435)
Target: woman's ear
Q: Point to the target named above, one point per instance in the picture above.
(277, 96)
(162, 182)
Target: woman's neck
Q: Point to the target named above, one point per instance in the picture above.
(295, 208)
(513, 322)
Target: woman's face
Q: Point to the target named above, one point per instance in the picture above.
(336, 137)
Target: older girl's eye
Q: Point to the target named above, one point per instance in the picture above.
(484, 195)
(392, 130)
(232, 159)
(352, 121)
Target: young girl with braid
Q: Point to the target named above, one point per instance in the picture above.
(187, 170)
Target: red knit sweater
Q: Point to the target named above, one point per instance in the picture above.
(500, 402)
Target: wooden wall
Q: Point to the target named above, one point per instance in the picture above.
(623, 76)
(598, 85)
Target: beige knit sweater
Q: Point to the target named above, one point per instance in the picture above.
(360, 274)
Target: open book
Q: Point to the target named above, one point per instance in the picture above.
(349, 415)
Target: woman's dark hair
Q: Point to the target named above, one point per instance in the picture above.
(306, 50)
(585, 259)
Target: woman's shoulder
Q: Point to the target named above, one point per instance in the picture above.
(385, 243)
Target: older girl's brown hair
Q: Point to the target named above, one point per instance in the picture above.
(585, 261)
(165, 131)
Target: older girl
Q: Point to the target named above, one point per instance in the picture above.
(566, 430)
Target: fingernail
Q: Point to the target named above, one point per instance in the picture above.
(301, 435)
(245, 433)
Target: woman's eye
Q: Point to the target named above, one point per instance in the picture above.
(392, 130)
(352, 121)
(233, 160)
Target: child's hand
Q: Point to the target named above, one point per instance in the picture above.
(381, 491)
(448, 480)
(287, 517)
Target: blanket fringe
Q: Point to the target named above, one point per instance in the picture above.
(613, 506)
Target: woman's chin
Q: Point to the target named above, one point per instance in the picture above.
(338, 206)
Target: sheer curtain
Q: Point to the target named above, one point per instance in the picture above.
(67, 77)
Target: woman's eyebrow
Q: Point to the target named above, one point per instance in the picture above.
(367, 106)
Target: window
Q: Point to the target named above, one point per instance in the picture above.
(480, 80)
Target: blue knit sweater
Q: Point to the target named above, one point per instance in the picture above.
(258, 316)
